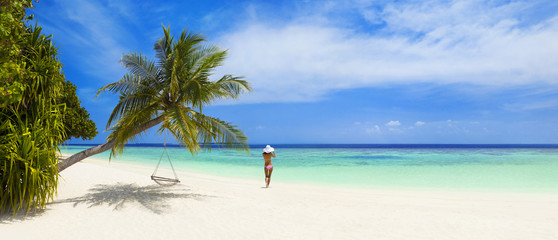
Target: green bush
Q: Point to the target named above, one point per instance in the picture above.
(31, 126)
(28, 168)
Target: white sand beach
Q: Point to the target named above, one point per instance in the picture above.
(101, 200)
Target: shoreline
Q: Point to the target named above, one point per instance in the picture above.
(117, 200)
(147, 169)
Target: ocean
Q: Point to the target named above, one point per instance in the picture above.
(532, 168)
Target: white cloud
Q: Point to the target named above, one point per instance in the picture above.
(93, 31)
(373, 130)
(393, 123)
(540, 104)
(419, 123)
(372, 16)
(440, 42)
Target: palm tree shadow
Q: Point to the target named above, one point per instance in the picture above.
(9, 217)
(153, 197)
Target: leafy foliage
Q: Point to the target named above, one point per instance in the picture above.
(76, 119)
(28, 170)
(172, 91)
(32, 109)
(12, 68)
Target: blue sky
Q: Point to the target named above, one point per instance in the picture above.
(352, 71)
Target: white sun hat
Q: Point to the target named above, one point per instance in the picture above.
(268, 149)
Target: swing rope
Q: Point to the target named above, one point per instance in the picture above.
(164, 181)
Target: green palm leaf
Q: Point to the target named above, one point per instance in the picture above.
(166, 91)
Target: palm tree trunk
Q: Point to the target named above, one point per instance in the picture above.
(65, 163)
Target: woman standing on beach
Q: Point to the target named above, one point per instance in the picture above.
(268, 152)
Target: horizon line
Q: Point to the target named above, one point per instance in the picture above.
(362, 145)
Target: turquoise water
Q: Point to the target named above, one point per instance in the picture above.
(521, 169)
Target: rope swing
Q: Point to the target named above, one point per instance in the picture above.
(164, 181)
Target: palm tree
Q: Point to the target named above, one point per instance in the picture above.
(172, 92)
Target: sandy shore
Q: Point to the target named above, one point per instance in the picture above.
(98, 200)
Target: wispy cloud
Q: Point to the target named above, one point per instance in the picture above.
(93, 30)
(373, 130)
(472, 42)
(532, 105)
(319, 48)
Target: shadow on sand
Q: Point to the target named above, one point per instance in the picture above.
(7, 217)
(153, 197)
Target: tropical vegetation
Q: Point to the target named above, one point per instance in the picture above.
(34, 97)
(77, 123)
(171, 92)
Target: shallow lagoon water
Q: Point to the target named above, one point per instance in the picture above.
(474, 168)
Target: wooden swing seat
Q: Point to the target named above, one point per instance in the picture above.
(164, 181)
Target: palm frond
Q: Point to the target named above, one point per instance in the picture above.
(188, 42)
(123, 134)
(163, 46)
(222, 133)
(140, 66)
(134, 95)
(167, 91)
(230, 87)
(129, 83)
(131, 104)
(183, 128)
